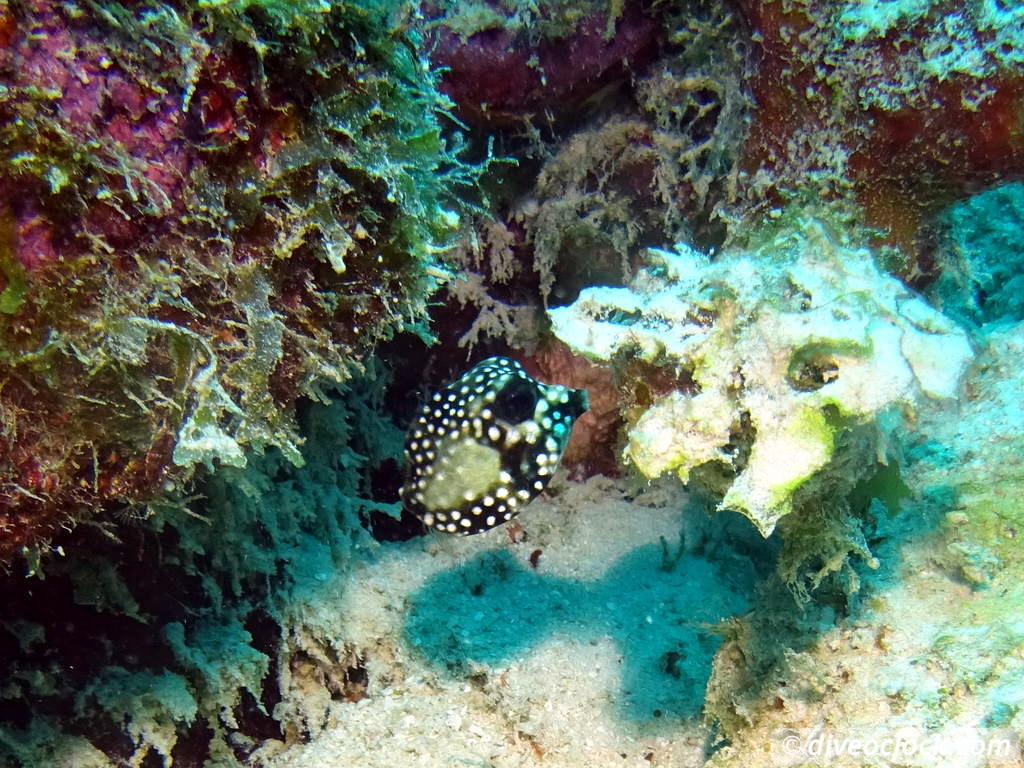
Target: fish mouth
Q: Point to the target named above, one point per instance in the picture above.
(579, 401)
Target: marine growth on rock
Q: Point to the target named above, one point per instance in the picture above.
(787, 343)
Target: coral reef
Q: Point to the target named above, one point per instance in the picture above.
(512, 62)
(580, 207)
(900, 106)
(788, 344)
(207, 212)
(242, 240)
(932, 649)
(205, 630)
(653, 174)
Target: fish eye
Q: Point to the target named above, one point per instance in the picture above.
(516, 401)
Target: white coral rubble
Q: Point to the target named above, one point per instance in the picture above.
(800, 335)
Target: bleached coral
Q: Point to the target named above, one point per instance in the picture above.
(936, 646)
(788, 343)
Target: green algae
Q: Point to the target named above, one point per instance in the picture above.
(42, 743)
(259, 545)
(150, 704)
(194, 339)
(547, 19)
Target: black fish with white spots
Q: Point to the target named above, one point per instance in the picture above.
(483, 447)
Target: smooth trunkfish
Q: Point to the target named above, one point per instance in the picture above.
(485, 446)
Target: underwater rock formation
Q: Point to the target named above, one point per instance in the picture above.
(787, 343)
(206, 215)
(508, 62)
(931, 649)
(902, 105)
(209, 628)
(591, 449)
(654, 170)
